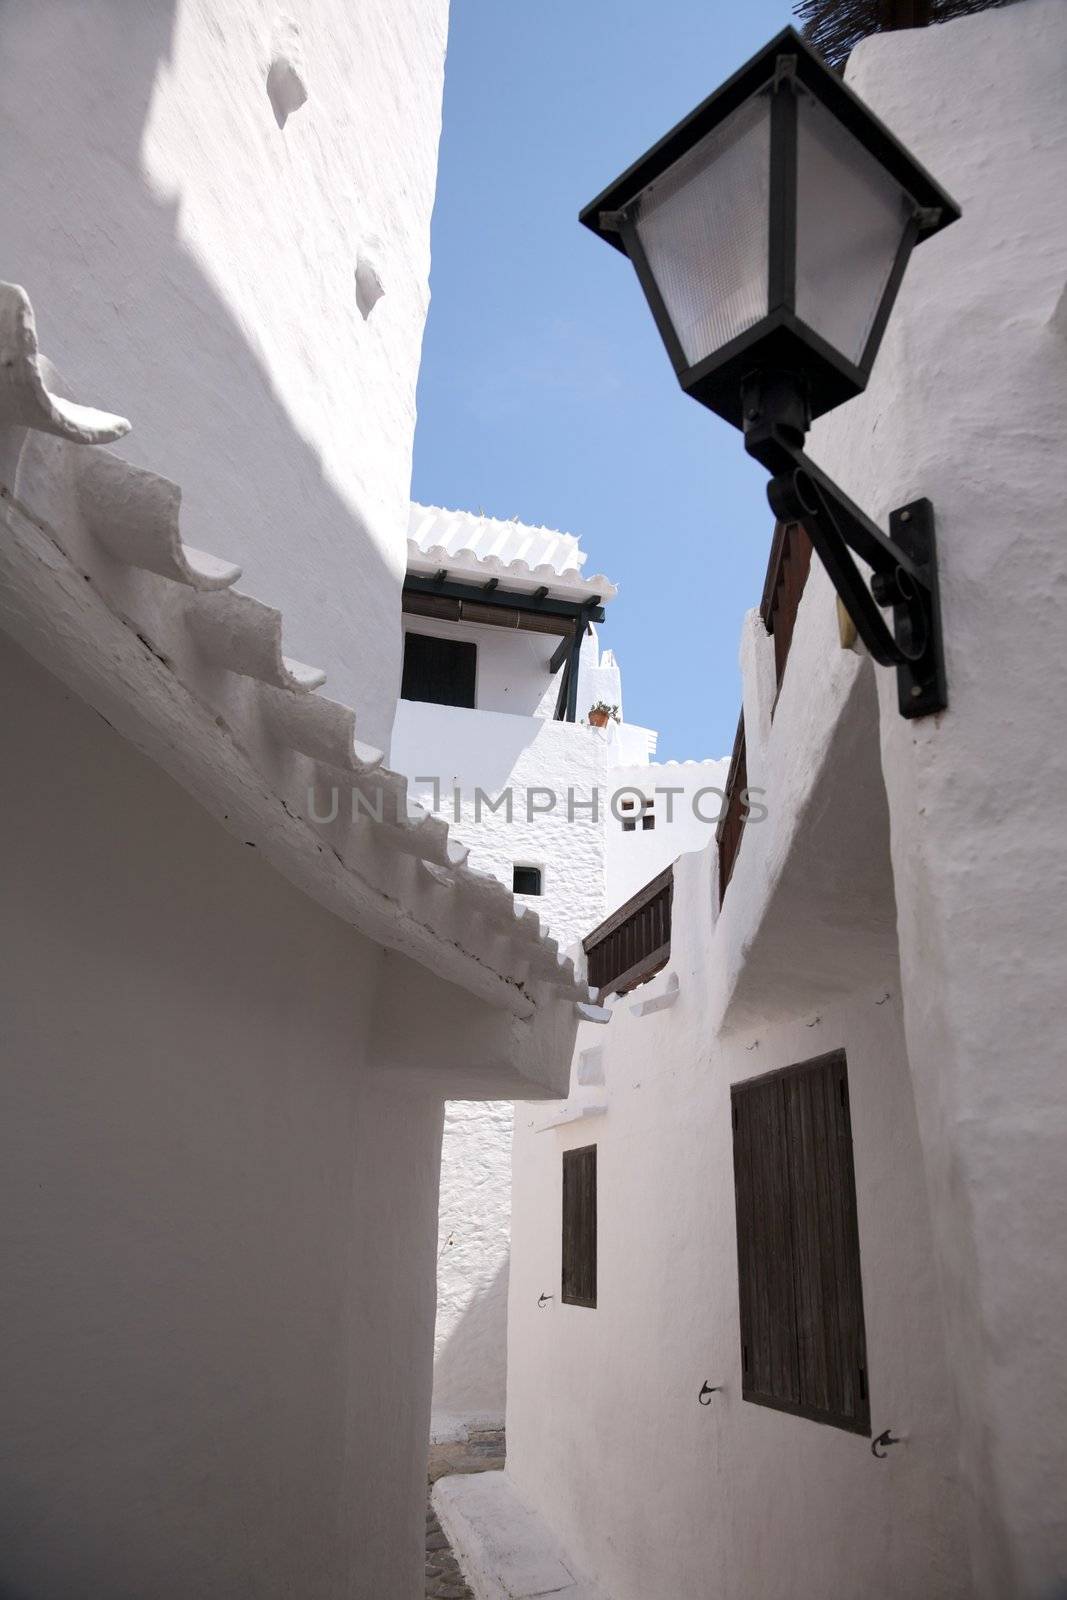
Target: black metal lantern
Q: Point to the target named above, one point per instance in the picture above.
(770, 231)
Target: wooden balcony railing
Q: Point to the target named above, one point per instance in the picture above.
(633, 943)
(732, 821)
(787, 573)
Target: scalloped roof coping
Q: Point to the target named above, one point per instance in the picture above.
(520, 557)
(158, 637)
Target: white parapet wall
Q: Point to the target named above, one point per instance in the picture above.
(223, 214)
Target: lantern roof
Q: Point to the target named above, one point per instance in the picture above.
(937, 208)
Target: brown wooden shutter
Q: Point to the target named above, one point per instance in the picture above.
(830, 1337)
(764, 1245)
(579, 1226)
(441, 671)
(801, 1302)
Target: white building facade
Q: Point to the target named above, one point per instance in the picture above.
(733, 1410)
(571, 815)
(242, 970)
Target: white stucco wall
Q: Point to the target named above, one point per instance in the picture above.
(650, 1492)
(196, 264)
(538, 759)
(877, 828)
(684, 820)
(216, 1379)
(493, 750)
(968, 405)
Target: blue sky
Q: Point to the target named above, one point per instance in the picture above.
(545, 393)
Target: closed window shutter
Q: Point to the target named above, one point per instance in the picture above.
(801, 1301)
(579, 1227)
(830, 1344)
(440, 671)
(764, 1246)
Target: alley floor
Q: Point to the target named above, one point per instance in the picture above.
(483, 1451)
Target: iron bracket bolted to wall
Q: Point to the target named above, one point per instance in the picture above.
(904, 562)
(704, 1397)
(543, 1301)
(883, 1439)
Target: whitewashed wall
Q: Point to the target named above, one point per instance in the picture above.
(876, 827)
(650, 1492)
(969, 406)
(493, 750)
(588, 867)
(216, 1379)
(195, 264)
(685, 820)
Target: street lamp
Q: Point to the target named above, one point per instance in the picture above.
(770, 231)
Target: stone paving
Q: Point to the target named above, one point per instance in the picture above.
(483, 1451)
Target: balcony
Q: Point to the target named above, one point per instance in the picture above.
(634, 943)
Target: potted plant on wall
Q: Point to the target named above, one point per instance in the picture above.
(599, 714)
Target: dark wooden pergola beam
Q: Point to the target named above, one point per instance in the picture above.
(452, 601)
(513, 599)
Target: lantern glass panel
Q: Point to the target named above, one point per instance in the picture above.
(704, 229)
(851, 218)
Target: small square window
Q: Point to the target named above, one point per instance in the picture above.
(628, 825)
(526, 880)
(648, 821)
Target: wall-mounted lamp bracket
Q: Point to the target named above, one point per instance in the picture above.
(704, 1397)
(882, 1440)
(543, 1301)
(904, 562)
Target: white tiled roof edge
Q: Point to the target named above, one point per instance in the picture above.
(397, 874)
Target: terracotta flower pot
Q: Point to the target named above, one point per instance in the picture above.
(598, 719)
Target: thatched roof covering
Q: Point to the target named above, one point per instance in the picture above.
(835, 27)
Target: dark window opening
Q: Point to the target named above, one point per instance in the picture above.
(526, 880)
(803, 1348)
(579, 1227)
(440, 671)
(643, 809)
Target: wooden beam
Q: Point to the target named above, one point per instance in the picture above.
(539, 601)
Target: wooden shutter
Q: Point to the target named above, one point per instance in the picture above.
(579, 1226)
(441, 671)
(801, 1302)
(769, 1366)
(830, 1340)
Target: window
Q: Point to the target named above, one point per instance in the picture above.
(441, 671)
(802, 1339)
(579, 1227)
(644, 810)
(526, 880)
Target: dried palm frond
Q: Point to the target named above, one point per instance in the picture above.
(835, 27)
